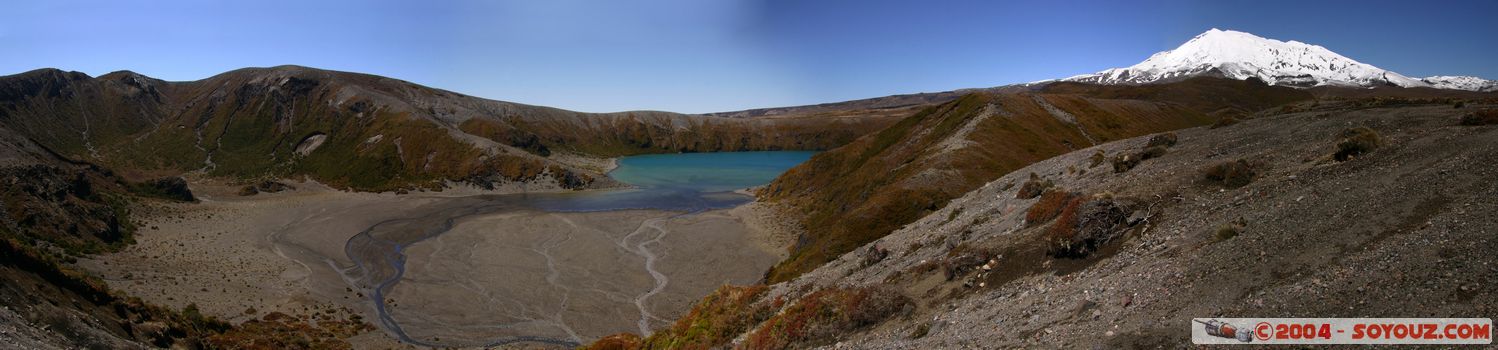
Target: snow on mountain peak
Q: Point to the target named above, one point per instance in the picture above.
(1240, 55)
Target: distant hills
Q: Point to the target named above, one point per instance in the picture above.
(362, 132)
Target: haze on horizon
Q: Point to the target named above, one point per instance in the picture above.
(710, 56)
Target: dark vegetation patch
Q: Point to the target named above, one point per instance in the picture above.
(1231, 174)
(873, 255)
(1152, 152)
(965, 258)
(716, 320)
(169, 188)
(1480, 117)
(78, 211)
(280, 331)
(1230, 229)
(1085, 225)
(824, 316)
(505, 133)
(1166, 139)
(952, 215)
(264, 186)
(1125, 162)
(1096, 159)
(1155, 147)
(1049, 206)
(1357, 142)
(621, 341)
(1033, 187)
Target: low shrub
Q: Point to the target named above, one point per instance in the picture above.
(964, 258)
(1167, 139)
(1152, 152)
(1125, 162)
(952, 215)
(1154, 148)
(821, 317)
(1356, 142)
(920, 331)
(1033, 187)
(621, 341)
(713, 322)
(1232, 174)
(1097, 158)
(1230, 229)
(1049, 206)
(1083, 226)
(170, 188)
(280, 331)
(1482, 117)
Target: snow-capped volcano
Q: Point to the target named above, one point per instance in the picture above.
(1239, 55)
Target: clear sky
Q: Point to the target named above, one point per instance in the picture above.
(714, 55)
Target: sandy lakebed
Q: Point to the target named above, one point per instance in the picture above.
(492, 276)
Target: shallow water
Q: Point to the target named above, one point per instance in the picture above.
(674, 182)
(678, 182)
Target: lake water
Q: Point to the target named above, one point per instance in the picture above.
(685, 181)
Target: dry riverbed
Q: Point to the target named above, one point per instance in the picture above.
(493, 276)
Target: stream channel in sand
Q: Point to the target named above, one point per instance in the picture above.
(468, 273)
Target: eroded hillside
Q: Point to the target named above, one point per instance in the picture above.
(1332, 209)
(860, 192)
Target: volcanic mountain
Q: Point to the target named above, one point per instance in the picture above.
(1239, 55)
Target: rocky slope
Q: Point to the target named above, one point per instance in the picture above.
(1239, 55)
(361, 131)
(1329, 209)
(860, 192)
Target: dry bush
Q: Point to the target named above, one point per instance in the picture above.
(1356, 142)
(964, 258)
(1049, 205)
(821, 317)
(1231, 229)
(1167, 139)
(1152, 152)
(1124, 162)
(621, 341)
(1032, 188)
(1097, 158)
(281, 331)
(1083, 226)
(1482, 117)
(1232, 174)
(1154, 148)
(714, 321)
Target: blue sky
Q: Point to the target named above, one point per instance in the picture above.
(714, 55)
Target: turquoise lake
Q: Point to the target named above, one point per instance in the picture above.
(682, 181)
(706, 172)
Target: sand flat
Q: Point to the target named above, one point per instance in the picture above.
(567, 276)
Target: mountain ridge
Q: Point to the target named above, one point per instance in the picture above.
(382, 133)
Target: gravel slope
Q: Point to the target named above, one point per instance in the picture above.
(1407, 230)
